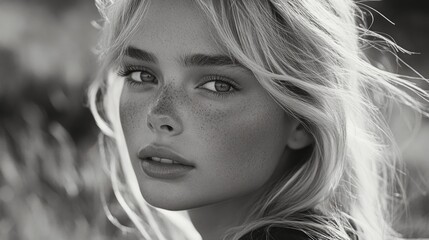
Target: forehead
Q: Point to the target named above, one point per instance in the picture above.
(175, 27)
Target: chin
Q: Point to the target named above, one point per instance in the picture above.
(168, 201)
(172, 204)
(168, 205)
(176, 203)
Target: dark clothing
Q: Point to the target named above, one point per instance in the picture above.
(284, 233)
(279, 233)
(276, 233)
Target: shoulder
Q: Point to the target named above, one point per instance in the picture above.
(276, 233)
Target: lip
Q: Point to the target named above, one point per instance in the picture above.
(162, 152)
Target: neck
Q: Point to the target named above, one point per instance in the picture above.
(212, 221)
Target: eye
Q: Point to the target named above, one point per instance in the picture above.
(142, 77)
(218, 86)
(137, 75)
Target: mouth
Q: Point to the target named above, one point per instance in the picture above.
(163, 160)
(163, 163)
(163, 155)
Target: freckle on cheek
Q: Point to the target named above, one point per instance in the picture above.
(234, 135)
(131, 113)
(211, 122)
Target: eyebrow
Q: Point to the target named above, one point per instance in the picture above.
(199, 60)
(202, 60)
(140, 54)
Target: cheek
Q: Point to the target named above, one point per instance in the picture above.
(132, 111)
(129, 114)
(242, 145)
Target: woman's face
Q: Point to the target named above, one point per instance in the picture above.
(184, 95)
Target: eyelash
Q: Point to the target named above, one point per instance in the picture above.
(212, 78)
(126, 71)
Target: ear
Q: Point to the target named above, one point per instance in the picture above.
(299, 137)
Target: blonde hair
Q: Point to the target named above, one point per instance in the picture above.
(309, 55)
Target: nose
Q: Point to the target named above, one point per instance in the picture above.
(162, 117)
(163, 125)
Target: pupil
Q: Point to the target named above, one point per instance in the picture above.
(222, 87)
(147, 77)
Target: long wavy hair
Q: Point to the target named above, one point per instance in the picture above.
(309, 56)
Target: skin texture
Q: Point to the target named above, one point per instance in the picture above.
(238, 141)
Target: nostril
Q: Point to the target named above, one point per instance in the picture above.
(167, 127)
(163, 125)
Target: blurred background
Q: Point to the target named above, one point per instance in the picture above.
(51, 176)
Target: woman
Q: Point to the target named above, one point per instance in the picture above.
(259, 118)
